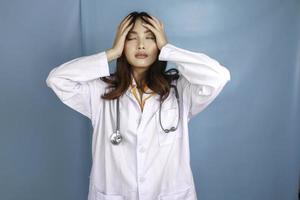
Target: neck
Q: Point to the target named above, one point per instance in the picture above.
(139, 75)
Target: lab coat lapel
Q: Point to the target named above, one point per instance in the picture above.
(150, 108)
(150, 100)
(153, 100)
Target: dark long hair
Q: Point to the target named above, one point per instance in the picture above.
(156, 77)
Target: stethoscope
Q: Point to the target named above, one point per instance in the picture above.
(116, 137)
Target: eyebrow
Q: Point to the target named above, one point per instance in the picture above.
(134, 32)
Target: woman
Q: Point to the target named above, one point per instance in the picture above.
(147, 158)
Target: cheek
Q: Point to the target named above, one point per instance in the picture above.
(126, 47)
(128, 50)
(154, 52)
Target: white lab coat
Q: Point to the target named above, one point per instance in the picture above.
(148, 164)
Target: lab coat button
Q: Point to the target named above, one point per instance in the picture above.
(200, 92)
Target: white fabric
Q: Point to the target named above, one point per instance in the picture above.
(148, 164)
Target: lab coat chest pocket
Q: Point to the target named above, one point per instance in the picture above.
(169, 117)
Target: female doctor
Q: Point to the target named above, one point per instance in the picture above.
(140, 113)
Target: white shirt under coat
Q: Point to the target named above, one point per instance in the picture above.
(148, 164)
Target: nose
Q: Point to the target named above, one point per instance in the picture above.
(141, 45)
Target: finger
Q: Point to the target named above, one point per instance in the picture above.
(129, 16)
(153, 23)
(125, 20)
(128, 27)
(147, 21)
(153, 29)
(156, 19)
(128, 19)
(126, 24)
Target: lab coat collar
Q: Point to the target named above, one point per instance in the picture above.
(134, 84)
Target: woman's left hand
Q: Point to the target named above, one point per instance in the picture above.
(157, 28)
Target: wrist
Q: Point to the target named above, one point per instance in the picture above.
(111, 54)
(164, 44)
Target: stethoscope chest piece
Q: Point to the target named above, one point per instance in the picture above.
(116, 138)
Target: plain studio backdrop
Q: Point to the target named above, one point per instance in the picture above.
(244, 146)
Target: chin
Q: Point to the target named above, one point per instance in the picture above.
(141, 66)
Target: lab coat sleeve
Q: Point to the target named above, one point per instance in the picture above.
(73, 81)
(202, 78)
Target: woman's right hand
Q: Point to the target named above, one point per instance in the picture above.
(118, 46)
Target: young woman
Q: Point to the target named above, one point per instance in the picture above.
(140, 113)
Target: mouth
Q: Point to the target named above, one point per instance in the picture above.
(141, 55)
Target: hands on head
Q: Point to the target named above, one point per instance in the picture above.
(152, 23)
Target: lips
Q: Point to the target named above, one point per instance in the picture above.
(141, 55)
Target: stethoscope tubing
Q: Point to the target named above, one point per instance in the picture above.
(116, 137)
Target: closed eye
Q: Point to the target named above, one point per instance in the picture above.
(152, 38)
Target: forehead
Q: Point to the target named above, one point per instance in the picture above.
(139, 28)
(135, 31)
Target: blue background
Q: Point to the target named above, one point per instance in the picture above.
(245, 145)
